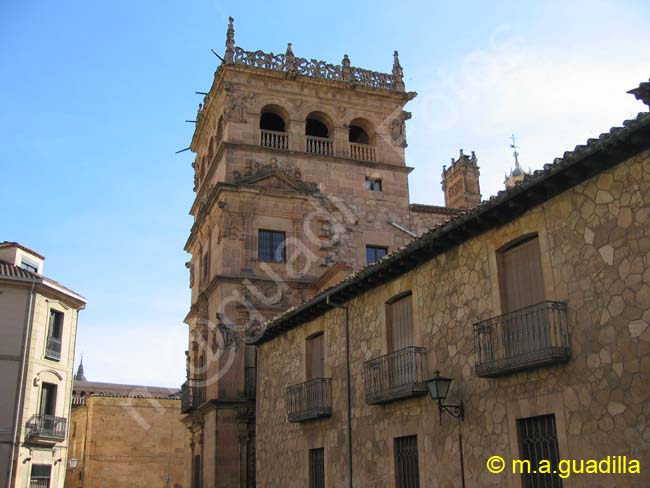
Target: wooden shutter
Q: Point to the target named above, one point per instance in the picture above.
(48, 399)
(399, 317)
(522, 283)
(315, 357)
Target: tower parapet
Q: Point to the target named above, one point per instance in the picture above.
(295, 66)
(460, 182)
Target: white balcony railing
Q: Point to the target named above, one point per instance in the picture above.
(362, 152)
(319, 145)
(274, 139)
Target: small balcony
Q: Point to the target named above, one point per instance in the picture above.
(191, 397)
(274, 139)
(532, 337)
(309, 400)
(396, 376)
(362, 152)
(319, 145)
(46, 428)
(53, 348)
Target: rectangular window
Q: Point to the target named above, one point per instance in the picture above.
(537, 442)
(399, 322)
(29, 266)
(48, 399)
(520, 275)
(317, 468)
(373, 184)
(40, 477)
(315, 357)
(196, 471)
(271, 246)
(407, 471)
(375, 253)
(56, 324)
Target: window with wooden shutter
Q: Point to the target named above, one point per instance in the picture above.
(520, 275)
(407, 471)
(399, 322)
(315, 356)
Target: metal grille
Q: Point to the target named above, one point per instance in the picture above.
(271, 246)
(40, 477)
(397, 375)
(317, 468)
(407, 471)
(309, 400)
(47, 426)
(532, 336)
(537, 442)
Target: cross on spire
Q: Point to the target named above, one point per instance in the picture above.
(515, 147)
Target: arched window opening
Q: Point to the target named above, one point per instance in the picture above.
(316, 128)
(358, 135)
(317, 135)
(272, 121)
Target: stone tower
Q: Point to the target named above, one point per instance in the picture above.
(460, 182)
(300, 178)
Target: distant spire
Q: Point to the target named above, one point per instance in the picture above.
(230, 41)
(80, 371)
(515, 153)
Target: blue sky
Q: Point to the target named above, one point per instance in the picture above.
(94, 95)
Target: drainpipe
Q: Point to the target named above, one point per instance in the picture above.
(21, 385)
(347, 379)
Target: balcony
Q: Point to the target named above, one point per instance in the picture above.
(191, 397)
(362, 152)
(274, 139)
(309, 400)
(528, 338)
(396, 376)
(319, 145)
(53, 348)
(46, 428)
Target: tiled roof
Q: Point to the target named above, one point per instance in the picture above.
(420, 207)
(585, 161)
(20, 246)
(8, 270)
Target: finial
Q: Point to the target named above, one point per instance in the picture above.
(346, 71)
(473, 155)
(398, 73)
(515, 153)
(461, 154)
(230, 41)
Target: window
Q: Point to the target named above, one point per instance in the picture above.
(315, 357)
(40, 477)
(56, 324)
(538, 441)
(375, 253)
(407, 472)
(358, 135)
(373, 184)
(29, 266)
(48, 399)
(520, 275)
(317, 468)
(271, 246)
(205, 265)
(271, 121)
(54, 336)
(196, 471)
(399, 322)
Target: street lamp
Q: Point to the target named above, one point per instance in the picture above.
(73, 463)
(438, 387)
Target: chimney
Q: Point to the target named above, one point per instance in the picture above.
(460, 182)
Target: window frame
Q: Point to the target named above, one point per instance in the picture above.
(272, 256)
(316, 456)
(375, 248)
(371, 184)
(414, 470)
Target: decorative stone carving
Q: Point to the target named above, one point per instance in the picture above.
(235, 107)
(398, 129)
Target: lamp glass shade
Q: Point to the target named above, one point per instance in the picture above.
(438, 387)
(73, 463)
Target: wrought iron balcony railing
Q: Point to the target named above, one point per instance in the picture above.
(319, 145)
(309, 400)
(397, 375)
(274, 139)
(53, 348)
(46, 427)
(528, 338)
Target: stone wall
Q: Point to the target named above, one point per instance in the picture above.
(595, 249)
(122, 442)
